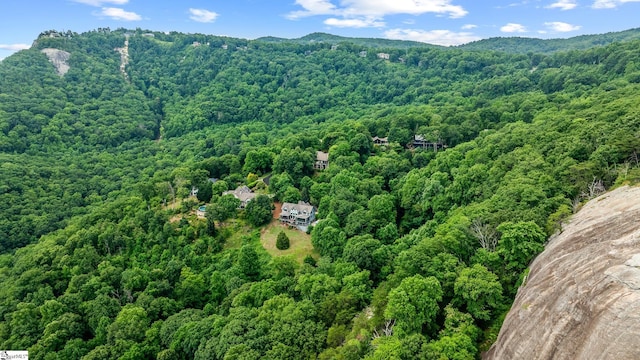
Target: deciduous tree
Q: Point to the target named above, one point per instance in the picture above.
(413, 304)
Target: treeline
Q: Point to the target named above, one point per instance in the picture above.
(417, 253)
(522, 45)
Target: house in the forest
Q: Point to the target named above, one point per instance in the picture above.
(322, 160)
(420, 142)
(242, 193)
(380, 141)
(300, 214)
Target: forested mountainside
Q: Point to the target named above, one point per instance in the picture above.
(417, 253)
(337, 40)
(514, 45)
(520, 45)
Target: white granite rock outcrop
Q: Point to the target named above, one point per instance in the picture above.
(582, 296)
(59, 59)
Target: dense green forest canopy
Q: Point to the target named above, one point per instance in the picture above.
(522, 45)
(417, 253)
(336, 40)
(517, 45)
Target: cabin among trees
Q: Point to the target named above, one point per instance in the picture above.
(300, 214)
(419, 142)
(242, 193)
(380, 141)
(322, 160)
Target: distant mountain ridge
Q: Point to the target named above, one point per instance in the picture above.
(520, 45)
(335, 39)
(516, 45)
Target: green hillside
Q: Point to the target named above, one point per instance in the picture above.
(514, 45)
(519, 45)
(336, 40)
(417, 253)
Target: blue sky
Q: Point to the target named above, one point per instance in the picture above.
(442, 22)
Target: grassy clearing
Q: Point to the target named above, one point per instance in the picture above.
(235, 232)
(161, 42)
(300, 242)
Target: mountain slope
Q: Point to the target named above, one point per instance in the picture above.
(364, 42)
(515, 45)
(521, 45)
(422, 244)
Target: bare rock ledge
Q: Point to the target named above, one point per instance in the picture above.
(582, 297)
(59, 59)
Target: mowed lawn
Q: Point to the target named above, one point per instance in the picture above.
(300, 242)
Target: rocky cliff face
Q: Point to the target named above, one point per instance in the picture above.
(582, 297)
(59, 59)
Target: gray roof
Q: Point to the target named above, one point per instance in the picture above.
(301, 209)
(243, 193)
(322, 156)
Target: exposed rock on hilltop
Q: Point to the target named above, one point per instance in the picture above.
(582, 297)
(59, 59)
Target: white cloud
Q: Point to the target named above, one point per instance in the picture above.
(559, 26)
(513, 28)
(563, 5)
(112, 12)
(313, 7)
(469, 26)
(119, 14)
(376, 8)
(521, 3)
(514, 4)
(99, 3)
(436, 37)
(14, 47)
(414, 7)
(354, 23)
(604, 4)
(202, 15)
(610, 4)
